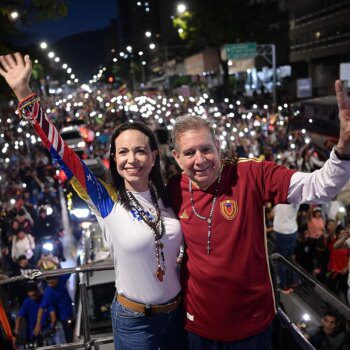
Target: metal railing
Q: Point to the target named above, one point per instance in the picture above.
(88, 343)
(320, 290)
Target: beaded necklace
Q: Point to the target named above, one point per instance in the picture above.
(209, 219)
(157, 226)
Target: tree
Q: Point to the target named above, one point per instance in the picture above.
(28, 12)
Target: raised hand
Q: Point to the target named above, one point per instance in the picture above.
(16, 70)
(343, 145)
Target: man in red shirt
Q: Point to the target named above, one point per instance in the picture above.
(228, 292)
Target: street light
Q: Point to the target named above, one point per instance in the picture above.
(148, 34)
(129, 48)
(14, 15)
(51, 54)
(152, 46)
(140, 53)
(57, 59)
(64, 65)
(181, 8)
(43, 45)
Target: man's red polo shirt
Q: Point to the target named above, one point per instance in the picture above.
(228, 294)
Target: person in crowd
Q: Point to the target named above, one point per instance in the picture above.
(22, 244)
(28, 202)
(321, 252)
(343, 242)
(23, 265)
(316, 224)
(28, 312)
(302, 252)
(228, 293)
(25, 220)
(48, 261)
(14, 229)
(143, 233)
(56, 298)
(286, 229)
(329, 336)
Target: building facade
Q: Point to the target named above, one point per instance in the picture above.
(319, 34)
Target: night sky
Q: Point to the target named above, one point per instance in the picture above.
(83, 15)
(77, 38)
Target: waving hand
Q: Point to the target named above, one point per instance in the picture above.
(16, 70)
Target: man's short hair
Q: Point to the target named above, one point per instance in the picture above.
(21, 257)
(186, 123)
(32, 287)
(21, 212)
(49, 278)
(331, 313)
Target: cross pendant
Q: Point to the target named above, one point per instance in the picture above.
(208, 249)
(160, 273)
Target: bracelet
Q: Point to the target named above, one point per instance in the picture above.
(28, 101)
(341, 156)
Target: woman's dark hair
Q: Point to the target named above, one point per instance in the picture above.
(339, 229)
(155, 175)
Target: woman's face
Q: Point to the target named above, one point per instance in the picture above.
(134, 159)
(317, 214)
(20, 235)
(15, 225)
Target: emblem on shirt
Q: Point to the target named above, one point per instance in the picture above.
(229, 209)
(184, 215)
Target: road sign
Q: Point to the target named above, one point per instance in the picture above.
(240, 51)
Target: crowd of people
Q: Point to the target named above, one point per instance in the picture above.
(244, 129)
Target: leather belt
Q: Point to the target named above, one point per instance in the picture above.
(148, 309)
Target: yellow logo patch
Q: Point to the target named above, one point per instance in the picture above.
(184, 215)
(229, 209)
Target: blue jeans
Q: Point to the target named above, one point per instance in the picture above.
(261, 341)
(285, 244)
(135, 331)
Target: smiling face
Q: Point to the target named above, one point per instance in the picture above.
(199, 156)
(134, 159)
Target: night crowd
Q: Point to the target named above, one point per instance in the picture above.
(31, 196)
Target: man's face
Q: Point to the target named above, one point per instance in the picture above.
(329, 324)
(199, 156)
(23, 263)
(21, 218)
(52, 282)
(33, 295)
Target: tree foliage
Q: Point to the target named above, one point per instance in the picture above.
(11, 29)
(28, 11)
(218, 22)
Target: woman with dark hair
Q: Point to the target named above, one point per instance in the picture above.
(142, 231)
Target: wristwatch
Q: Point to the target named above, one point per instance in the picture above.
(341, 156)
